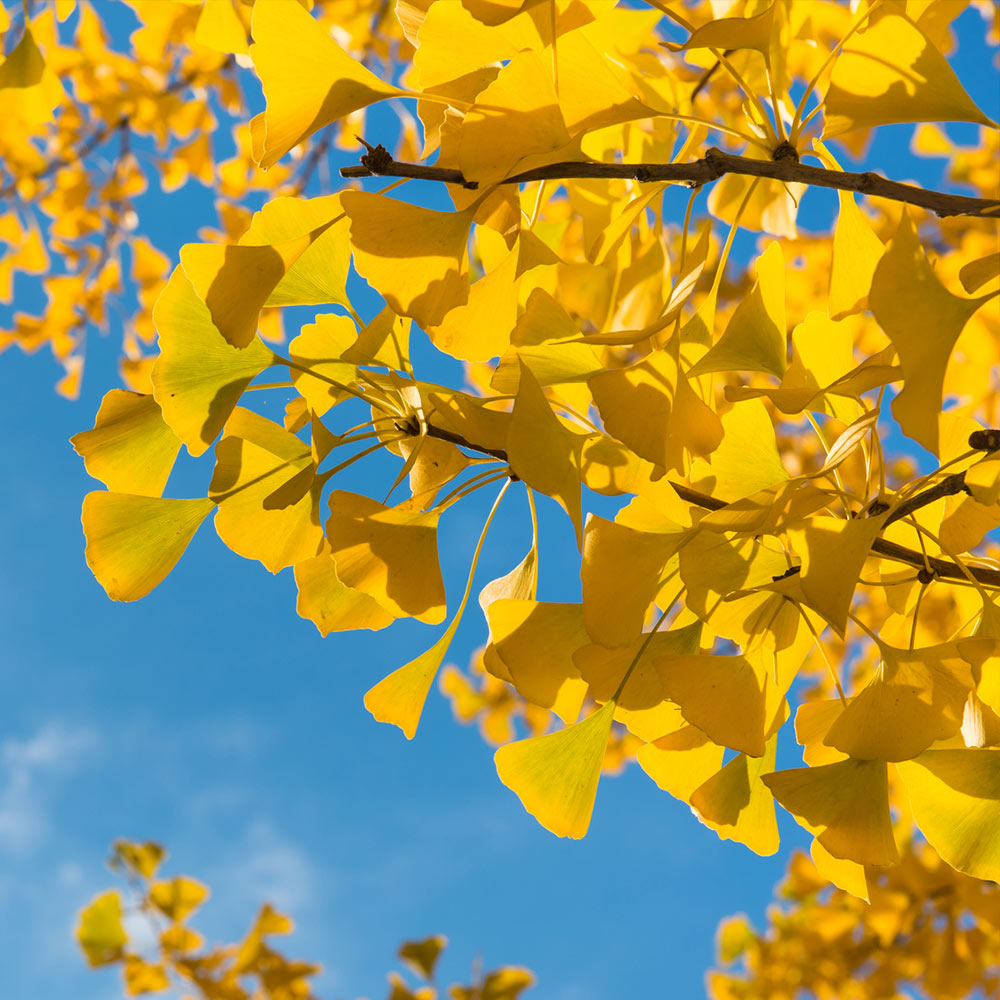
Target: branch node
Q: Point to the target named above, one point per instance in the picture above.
(987, 439)
(713, 161)
(926, 576)
(378, 159)
(785, 151)
(867, 181)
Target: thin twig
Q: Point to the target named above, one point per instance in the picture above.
(891, 550)
(713, 165)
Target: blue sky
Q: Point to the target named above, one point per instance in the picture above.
(211, 718)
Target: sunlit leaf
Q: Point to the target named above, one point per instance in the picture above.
(133, 542)
(555, 776)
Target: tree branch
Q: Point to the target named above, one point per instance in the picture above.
(891, 550)
(713, 165)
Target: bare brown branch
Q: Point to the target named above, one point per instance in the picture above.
(713, 165)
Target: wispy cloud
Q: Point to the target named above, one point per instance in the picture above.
(28, 770)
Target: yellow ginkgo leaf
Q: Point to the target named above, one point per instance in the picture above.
(615, 604)
(329, 604)
(269, 921)
(955, 797)
(976, 273)
(520, 584)
(399, 698)
(507, 983)
(29, 88)
(682, 761)
(923, 320)
(516, 116)
(813, 720)
(99, 929)
(422, 956)
(236, 281)
(641, 704)
(746, 460)
(309, 81)
(320, 373)
(917, 696)
(833, 550)
(720, 695)
(651, 408)
(143, 977)
(177, 897)
(414, 257)
(479, 329)
(130, 449)
(733, 33)
(844, 805)
(754, 338)
(142, 858)
(535, 641)
(198, 377)
(983, 480)
(856, 253)
(389, 553)
(738, 806)
(542, 451)
(265, 485)
(846, 875)
(556, 775)
(220, 27)
(133, 542)
(890, 72)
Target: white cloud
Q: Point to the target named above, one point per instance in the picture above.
(27, 767)
(273, 869)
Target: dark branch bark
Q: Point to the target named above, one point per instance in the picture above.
(713, 165)
(891, 550)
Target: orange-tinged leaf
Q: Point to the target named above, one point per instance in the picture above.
(516, 116)
(955, 798)
(177, 897)
(414, 257)
(309, 81)
(99, 929)
(917, 696)
(198, 377)
(620, 571)
(535, 641)
(754, 339)
(389, 553)
(738, 806)
(556, 775)
(133, 542)
(923, 320)
(890, 72)
(542, 451)
(130, 449)
(720, 695)
(844, 805)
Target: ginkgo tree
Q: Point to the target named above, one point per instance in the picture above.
(600, 356)
(777, 564)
